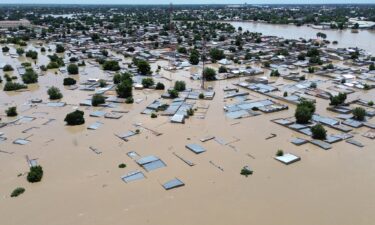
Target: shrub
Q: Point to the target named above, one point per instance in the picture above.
(209, 74)
(20, 51)
(30, 76)
(194, 57)
(35, 174)
(216, 54)
(359, 113)
(7, 68)
(173, 93)
(124, 89)
(122, 165)
(111, 65)
(17, 191)
(102, 83)
(275, 73)
(147, 82)
(129, 100)
(60, 49)
(97, 99)
(73, 69)
(370, 103)
(223, 69)
(26, 64)
(313, 85)
(75, 118)
(279, 152)
(32, 54)
(13, 86)
(311, 69)
(305, 110)
(54, 93)
(160, 86)
(5, 49)
(144, 67)
(11, 111)
(180, 86)
(69, 81)
(285, 94)
(338, 99)
(246, 171)
(190, 112)
(318, 132)
(154, 115)
(201, 96)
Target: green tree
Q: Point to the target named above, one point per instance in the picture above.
(35, 174)
(359, 113)
(54, 93)
(75, 118)
(147, 82)
(216, 54)
(73, 69)
(318, 132)
(209, 74)
(304, 111)
(144, 67)
(180, 85)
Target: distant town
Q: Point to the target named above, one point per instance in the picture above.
(222, 114)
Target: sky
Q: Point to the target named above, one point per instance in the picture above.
(185, 1)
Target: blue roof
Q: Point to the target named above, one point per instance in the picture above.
(174, 183)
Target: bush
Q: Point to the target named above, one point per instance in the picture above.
(190, 112)
(246, 172)
(54, 93)
(122, 165)
(160, 86)
(216, 54)
(304, 112)
(338, 99)
(7, 68)
(144, 67)
(370, 103)
(73, 69)
(194, 57)
(17, 191)
(124, 89)
(129, 100)
(30, 76)
(153, 115)
(173, 93)
(75, 118)
(20, 51)
(223, 69)
(97, 99)
(313, 85)
(318, 132)
(32, 54)
(35, 174)
(11, 111)
(69, 81)
(60, 49)
(209, 74)
(311, 69)
(5, 49)
(102, 83)
(201, 96)
(111, 65)
(13, 86)
(275, 73)
(279, 152)
(359, 113)
(147, 82)
(179, 86)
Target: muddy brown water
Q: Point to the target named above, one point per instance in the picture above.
(81, 187)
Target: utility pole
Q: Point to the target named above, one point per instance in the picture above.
(203, 59)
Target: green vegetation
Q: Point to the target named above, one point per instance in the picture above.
(75, 118)
(30, 76)
(144, 67)
(35, 174)
(147, 82)
(122, 165)
(194, 57)
(279, 152)
(97, 99)
(73, 69)
(338, 99)
(13, 86)
(359, 113)
(179, 86)
(7, 68)
(5, 49)
(32, 54)
(69, 81)
(275, 73)
(60, 49)
(246, 172)
(20, 51)
(304, 112)
(111, 65)
(173, 93)
(159, 86)
(18, 191)
(11, 111)
(54, 93)
(223, 69)
(154, 115)
(209, 74)
(318, 132)
(216, 54)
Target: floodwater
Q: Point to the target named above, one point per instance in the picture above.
(83, 188)
(364, 39)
